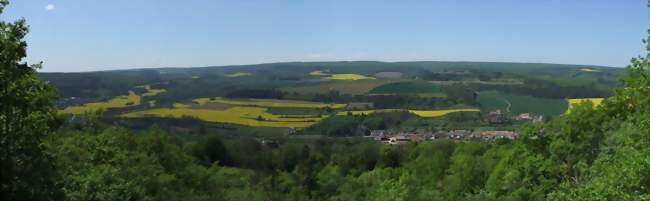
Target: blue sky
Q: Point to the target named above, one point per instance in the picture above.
(88, 35)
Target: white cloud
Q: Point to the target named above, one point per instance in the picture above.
(50, 7)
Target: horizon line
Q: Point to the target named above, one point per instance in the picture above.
(330, 61)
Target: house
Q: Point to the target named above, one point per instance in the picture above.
(291, 131)
(459, 134)
(378, 135)
(492, 135)
(421, 131)
(267, 142)
(439, 135)
(524, 116)
(398, 139)
(416, 137)
(475, 135)
(496, 117)
(71, 101)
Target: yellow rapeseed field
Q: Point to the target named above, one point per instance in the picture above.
(152, 92)
(438, 113)
(318, 73)
(267, 103)
(327, 76)
(239, 74)
(348, 77)
(236, 115)
(575, 101)
(118, 102)
(367, 112)
(181, 105)
(421, 113)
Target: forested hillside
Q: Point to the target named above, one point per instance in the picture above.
(590, 153)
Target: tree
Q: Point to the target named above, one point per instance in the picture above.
(621, 170)
(211, 150)
(115, 164)
(27, 115)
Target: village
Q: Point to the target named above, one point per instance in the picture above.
(397, 138)
(495, 117)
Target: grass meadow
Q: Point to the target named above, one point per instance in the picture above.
(517, 104)
(152, 92)
(406, 88)
(346, 87)
(238, 74)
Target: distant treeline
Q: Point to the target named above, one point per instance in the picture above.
(256, 93)
(546, 89)
(454, 97)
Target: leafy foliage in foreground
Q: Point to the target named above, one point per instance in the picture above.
(27, 115)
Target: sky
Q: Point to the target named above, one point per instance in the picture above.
(92, 35)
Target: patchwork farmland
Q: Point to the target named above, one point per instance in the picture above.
(132, 99)
(303, 96)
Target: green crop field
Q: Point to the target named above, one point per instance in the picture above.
(346, 87)
(150, 91)
(516, 104)
(389, 75)
(406, 88)
(318, 73)
(238, 74)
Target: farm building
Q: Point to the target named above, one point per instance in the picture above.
(399, 139)
(496, 117)
(492, 135)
